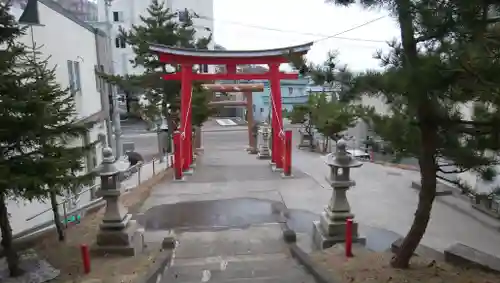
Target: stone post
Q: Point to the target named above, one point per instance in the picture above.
(197, 140)
(264, 152)
(331, 228)
(117, 230)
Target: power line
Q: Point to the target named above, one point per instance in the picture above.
(323, 36)
(351, 29)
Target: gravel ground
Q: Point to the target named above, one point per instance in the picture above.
(373, 267)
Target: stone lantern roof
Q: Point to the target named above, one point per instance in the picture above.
(341, 158)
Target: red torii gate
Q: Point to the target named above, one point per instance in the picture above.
(186, 58)
(247, 90)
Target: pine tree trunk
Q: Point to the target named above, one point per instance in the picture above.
(425, 200)
(7, 240)
(57, 217)
(428, 138)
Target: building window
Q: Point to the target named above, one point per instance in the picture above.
(290, 90)
(120, 42)
(118, 17)
(253, 108)
(261, 110)
(74, 76)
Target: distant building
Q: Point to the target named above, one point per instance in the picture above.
(126, 13)
(293, 92)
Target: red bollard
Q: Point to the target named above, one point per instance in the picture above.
(348, 238)
(177, 156)
(287, 166)
(85, 258)
(371, 155)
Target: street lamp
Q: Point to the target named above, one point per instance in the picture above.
(114, 96)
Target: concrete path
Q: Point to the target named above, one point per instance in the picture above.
(226, 216)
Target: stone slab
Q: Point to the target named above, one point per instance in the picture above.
(421, 250)
(441, 189)
(36, 270)
(121, 242)
(323, 241)
(266, 238)
(460, 254)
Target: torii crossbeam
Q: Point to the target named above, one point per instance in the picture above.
(186, 58)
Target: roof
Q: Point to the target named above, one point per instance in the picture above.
(61, 10)
(191, 52)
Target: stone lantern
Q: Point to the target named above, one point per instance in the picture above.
(264, 152)
(331, 228)
(117, 232)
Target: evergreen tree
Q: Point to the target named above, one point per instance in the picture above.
(161, 26)
(329, 115)
(447, 61)
(37, 131)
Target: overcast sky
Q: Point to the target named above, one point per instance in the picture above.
(305, 20)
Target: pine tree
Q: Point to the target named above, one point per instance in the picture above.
(37, 131)
(330, 116)
(446, 62)
(161, 26)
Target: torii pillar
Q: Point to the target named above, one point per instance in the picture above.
(247, 90)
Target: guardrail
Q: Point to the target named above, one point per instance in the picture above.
(134, 176)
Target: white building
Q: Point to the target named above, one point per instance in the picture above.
(71, 46)
(126, 13)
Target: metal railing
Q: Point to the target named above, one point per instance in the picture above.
(133, 177)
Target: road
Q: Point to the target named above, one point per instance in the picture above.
(145, 142)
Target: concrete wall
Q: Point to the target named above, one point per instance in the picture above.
(63, 38)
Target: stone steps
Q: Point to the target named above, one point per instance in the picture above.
(253, 255)
(262, 268)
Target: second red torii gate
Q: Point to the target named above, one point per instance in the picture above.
(247, 90)
(186, 58)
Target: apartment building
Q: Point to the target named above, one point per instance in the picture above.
(126, 13)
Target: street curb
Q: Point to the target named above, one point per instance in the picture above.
(320, 274)
(159, 267)
(395, 165)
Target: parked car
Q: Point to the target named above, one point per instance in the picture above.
(359, 154)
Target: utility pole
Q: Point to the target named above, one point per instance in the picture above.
(114, 97)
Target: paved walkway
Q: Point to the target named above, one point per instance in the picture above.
(226, 216)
